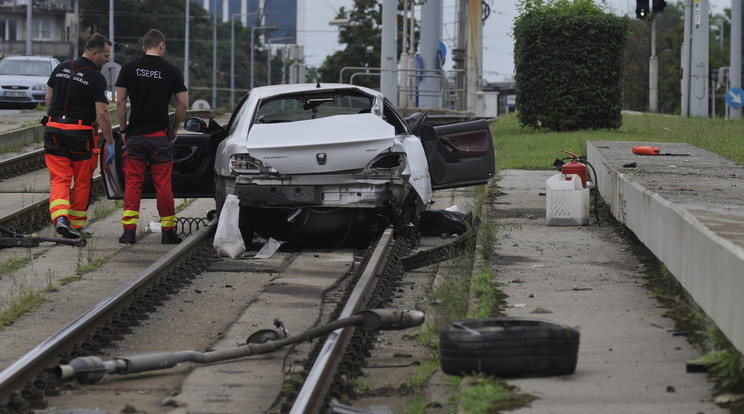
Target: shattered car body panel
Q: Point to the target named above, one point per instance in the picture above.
(311, 160)
(353, 160)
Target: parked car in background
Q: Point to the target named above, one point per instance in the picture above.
(23, 80)
(333, 162)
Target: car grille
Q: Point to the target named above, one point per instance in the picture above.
(15, 87)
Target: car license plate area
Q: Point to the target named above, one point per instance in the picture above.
(15, 94)
(271, 196)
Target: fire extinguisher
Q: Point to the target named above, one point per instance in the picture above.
(575, 167)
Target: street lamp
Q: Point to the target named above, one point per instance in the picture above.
(232, 55)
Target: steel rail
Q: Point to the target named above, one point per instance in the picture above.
(16, 376)
(21, 164)
(32, 217)
(312, 394)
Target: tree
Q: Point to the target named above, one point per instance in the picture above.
(362, 38)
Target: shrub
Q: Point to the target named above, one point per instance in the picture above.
(569, 58)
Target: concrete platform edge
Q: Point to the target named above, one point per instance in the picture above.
(707, 266)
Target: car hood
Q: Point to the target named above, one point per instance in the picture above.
(335, 143)
(22, 80)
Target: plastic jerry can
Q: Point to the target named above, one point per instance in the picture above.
(566, 201)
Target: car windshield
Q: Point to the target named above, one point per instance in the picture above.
(301, 107)
(25, 67)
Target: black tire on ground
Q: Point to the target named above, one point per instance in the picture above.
(508, 347)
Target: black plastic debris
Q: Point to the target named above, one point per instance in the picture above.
(443, 222)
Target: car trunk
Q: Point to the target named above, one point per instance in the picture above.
(324, 145)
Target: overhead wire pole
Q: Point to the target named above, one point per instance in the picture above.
(186, 48)
(214, 58)
(29, 28)
(653, 72)
(111, 27)
(232, 54)
(388, 51)
(735, 58)
(695, 60)
(268, 59)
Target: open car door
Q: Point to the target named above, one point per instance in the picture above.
(460, 154)
(193, 165)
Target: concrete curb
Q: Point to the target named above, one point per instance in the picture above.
(673, 210)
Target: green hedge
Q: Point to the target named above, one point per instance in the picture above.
(569, 59)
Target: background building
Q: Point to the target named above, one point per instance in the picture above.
(53, 30)
(279, 13)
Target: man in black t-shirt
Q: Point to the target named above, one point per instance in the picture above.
(75, 98)
(150, 82)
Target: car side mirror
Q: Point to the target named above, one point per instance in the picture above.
(195, 125)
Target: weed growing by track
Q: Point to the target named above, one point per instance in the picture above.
(13, 264)
(18, 306)
(457, 294)
(90, 262)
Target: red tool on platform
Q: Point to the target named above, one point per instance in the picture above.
(647, 150)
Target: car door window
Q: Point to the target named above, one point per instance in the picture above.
(392, 117)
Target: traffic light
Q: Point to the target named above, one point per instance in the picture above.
(642, 10)
(659, 6)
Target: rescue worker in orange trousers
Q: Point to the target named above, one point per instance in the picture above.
(75, 99)
(150, 81)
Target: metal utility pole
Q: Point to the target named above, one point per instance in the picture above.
(459, 55)
(214, 57)
(403, 73)
(389, 51)
(29, 28)
(695, 59)
(111, 27)
(186, 48)
(735, 71)
(475, 58)
(430, 85)
(653, 73)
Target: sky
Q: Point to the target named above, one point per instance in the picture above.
(498, 60)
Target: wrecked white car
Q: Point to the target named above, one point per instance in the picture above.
(329, 161)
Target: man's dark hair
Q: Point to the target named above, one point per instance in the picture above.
(153, 38)
(97, 42)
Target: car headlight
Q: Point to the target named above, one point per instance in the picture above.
(39, 87)
(245, 164)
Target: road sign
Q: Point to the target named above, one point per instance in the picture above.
(510, 100)
(735, 97)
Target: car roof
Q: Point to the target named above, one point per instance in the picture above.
(273, 90)
(39, 58)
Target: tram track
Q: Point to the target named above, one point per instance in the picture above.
(27, 384)
(31, 383)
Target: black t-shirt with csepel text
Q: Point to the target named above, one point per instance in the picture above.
(151, 81)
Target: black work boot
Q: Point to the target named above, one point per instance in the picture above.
(65, 229)
(170, 237)
(128, 237)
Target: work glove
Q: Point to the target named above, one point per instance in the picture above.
(111, 151)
